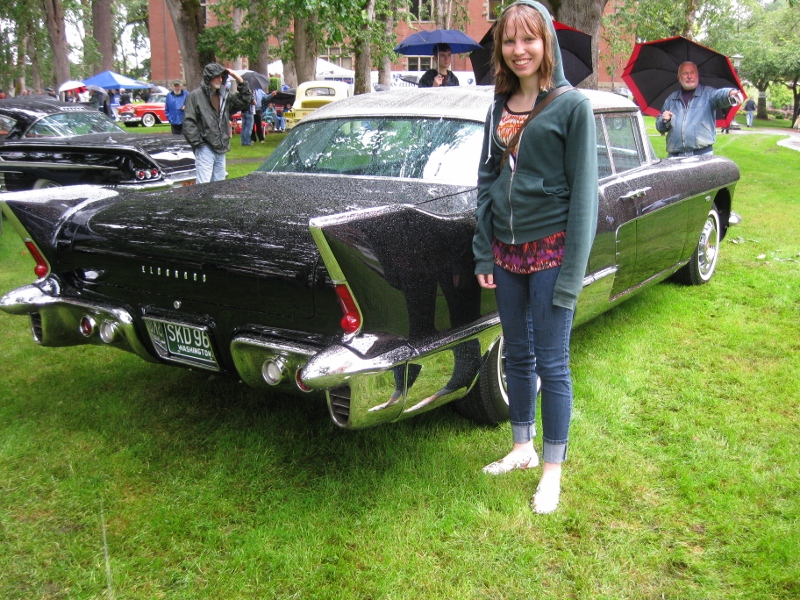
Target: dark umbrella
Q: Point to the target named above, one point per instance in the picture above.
(422, 42)
(652, 73)
(98, 89)
(257, 81)
(576, 55)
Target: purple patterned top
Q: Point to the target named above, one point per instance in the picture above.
(537, 255)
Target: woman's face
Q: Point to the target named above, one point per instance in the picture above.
(523, 51)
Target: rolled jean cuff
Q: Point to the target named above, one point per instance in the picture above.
(523, 432)
(554, 453)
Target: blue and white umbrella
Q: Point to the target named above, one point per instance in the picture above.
(422, 42)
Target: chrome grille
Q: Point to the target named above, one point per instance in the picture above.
(339, 404)
(36, 326)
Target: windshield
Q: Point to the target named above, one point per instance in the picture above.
(73, 123)
(443, 150)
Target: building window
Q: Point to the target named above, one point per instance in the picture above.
(421, 9)
(335, 56)
(494, 6)
(419, 63)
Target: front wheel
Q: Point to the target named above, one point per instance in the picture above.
(700, 269)
(487, 402)
(148, 120)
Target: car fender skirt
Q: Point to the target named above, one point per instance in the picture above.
(402, 382)
(67, 322)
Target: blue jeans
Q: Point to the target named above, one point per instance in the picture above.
(210, 165)
(536, 343)
(750, 115)
(247, 128)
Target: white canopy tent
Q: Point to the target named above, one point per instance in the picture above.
(324, 69)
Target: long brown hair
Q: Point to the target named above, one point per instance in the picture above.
(531, 20)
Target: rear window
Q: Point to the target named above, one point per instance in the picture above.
(73, 123)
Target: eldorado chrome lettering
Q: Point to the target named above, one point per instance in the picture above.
(176, 273)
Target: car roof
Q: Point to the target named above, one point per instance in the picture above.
(28, 109)
(459, 102)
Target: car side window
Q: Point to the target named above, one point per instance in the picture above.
(603, 159)
(623, 142)
(6, 125)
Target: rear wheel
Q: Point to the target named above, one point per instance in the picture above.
(43, 184)
(148, 119)
(487, 402)
(700, 269)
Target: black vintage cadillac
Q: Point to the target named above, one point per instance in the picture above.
(45, 143)
(343, 265)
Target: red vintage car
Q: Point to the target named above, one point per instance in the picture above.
(146, 113)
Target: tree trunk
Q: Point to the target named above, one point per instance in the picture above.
(188, 17)
(690, 20)
(363, 82)
(761, 113)
(22, 55)
(305, 49)
(56, 30)
(586, 15)
(385, 70)
(237, 26)
(36, 78)
(262, 60)
(102, 27)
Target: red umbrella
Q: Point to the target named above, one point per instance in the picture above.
(652, 73)
(576, 55)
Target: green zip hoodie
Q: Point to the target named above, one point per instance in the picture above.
(551, 187)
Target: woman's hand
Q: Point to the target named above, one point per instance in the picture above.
(486, 281)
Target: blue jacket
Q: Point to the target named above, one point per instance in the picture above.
(693, 127)
(174, 105)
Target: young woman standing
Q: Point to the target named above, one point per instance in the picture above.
(537, 216)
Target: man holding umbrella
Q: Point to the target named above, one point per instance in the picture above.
(442, 75)
(689, 114)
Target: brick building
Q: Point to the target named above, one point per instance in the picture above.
(165, 59)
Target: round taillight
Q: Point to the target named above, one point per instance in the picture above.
(40, 271)
(273, 370)
(87, 326)
(108, 329)
(349, 323)
(153, 173)
(298, 379)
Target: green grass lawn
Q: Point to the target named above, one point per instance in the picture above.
(124, 479)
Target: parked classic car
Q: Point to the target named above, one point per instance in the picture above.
(343, 265)
(45, 143)
(147, 113)
(311, 95)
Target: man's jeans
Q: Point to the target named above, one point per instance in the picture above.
(210, 165)
(247, 127)
(536, 343)
(750, 115)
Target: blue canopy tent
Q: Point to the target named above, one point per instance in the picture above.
(108, 80)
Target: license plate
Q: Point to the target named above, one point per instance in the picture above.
(179, 342)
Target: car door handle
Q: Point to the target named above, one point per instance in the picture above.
(636, 194)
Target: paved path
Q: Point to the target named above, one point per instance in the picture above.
(792, 140)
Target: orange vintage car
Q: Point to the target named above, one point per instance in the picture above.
(147, 113)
